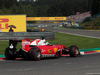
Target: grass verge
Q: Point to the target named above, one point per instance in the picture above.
(80, 41)
(5, 44)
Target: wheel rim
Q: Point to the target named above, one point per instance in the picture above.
(38, 54)
(76, 51)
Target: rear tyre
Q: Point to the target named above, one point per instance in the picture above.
(73, 51)
(10, 54)
(35, 53)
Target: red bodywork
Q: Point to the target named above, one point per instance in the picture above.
(45, 49)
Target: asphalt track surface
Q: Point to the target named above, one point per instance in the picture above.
(86, 33)
(82, 65)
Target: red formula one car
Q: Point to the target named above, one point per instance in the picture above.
(38, 49)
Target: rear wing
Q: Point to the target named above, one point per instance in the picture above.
(25, 44)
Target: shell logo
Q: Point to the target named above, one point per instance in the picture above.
(49, 51)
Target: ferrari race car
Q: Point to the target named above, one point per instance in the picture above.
(38, 49)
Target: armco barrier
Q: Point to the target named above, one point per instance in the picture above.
(44, 25)
(23, 35)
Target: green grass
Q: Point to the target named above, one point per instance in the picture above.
(65, 39)
(81, 42)
(5, 44)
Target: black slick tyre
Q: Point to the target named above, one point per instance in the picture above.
(35, 53)
(10, 54)
(74, 51)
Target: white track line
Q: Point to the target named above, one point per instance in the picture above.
(80, 35)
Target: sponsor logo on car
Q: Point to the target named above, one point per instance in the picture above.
(43, 50)
(55, 50)
(48, 56)
(49, 51)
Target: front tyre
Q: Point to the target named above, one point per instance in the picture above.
(10, 54)
(35, 53)
(74, 51)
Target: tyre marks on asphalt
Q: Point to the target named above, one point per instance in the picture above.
(32, 68)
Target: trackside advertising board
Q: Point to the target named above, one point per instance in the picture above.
(45, 18)
(19, 21)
